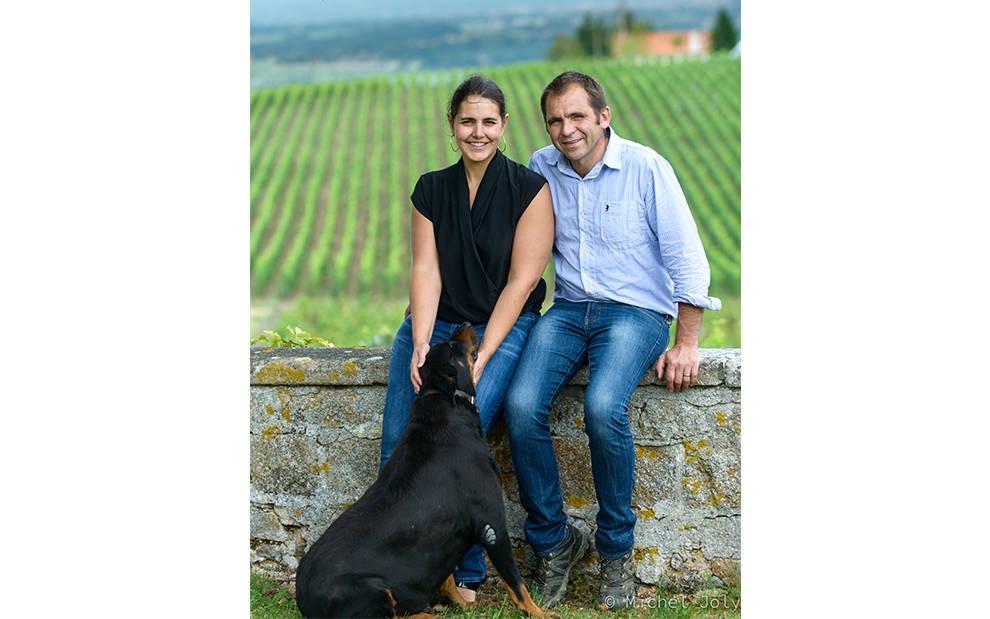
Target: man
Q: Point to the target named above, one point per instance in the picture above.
(628, 261)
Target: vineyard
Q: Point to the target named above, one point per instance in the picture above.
(333, 165)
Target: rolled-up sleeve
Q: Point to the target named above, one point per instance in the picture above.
(680, 246)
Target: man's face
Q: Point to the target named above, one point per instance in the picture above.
(575, 130)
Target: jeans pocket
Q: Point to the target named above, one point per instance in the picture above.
(662, 320)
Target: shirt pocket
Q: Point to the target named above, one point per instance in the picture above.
(622, 222)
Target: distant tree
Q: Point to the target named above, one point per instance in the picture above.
(630, 23)
(724, 35)
(565, 46)
(595, 38)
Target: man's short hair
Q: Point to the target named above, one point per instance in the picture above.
(563, 82)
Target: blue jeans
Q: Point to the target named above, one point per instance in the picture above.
(490, 394)
(619, 343)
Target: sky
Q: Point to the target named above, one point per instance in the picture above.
(279, 12)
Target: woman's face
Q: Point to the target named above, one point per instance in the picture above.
(477, 128)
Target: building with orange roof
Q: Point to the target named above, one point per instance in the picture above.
(665, 43)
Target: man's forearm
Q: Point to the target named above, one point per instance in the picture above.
(688, 325)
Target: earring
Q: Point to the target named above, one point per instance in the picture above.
(504, 144)
(452, 147)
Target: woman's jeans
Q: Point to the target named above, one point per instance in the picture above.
(489, 397)
(619, 343)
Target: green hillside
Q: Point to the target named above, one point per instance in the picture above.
(333, 165)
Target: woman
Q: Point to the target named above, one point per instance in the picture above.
(482, 231)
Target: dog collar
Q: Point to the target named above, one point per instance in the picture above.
(469, 398)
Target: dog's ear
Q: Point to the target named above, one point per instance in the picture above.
(446, 382)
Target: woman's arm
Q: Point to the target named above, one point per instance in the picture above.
(531, 247)
(424, 291)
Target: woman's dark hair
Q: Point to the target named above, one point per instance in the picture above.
(563, 82)
(476, 85)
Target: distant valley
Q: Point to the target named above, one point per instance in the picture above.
(314, 51)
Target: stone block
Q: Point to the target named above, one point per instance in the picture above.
(265, 525)
(667, 419)
(720, 537)
(353, 412)
(319, 366)
(733, 371)
(286, 464)
(711, 477)
(656, 491)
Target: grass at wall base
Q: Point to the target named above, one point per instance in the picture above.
(271, 600)
(373, 321)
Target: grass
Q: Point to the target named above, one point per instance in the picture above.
(344, 321)
(351, 321)
(273, 601)
(270, 600)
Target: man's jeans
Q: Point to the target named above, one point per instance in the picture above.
(619, 343)
(489, 397)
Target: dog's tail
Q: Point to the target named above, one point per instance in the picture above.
(495, 539)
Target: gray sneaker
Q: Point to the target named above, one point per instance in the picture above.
(617, 585)
(548, 585)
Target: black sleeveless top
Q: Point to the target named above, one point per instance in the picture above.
(475, 244)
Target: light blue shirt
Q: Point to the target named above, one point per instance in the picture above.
(624, 232)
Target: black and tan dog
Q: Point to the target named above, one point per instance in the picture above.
(391, 551)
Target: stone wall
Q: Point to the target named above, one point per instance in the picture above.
(315, 447)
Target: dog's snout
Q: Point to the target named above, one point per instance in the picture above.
(466, 334)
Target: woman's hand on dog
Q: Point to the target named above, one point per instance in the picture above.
(418, 358)
(479, 365)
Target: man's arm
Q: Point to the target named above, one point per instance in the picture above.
(682, 361)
